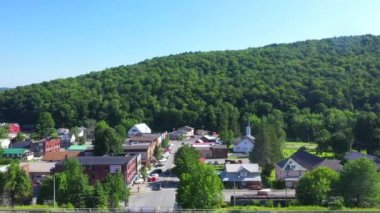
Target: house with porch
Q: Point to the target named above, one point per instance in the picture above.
(241, 175)
(293, 168)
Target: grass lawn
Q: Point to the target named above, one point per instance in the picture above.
(295, 208)
(292, 147)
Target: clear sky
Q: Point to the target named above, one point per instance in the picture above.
(45, 40)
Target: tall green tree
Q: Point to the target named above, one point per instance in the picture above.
(360, 183)
(72, 186)
(98, 198)
(185, 159)
(107, 141)
(316, 186)
(3, 132)
(17, 183)
(201, 189)
(115, 189)
(269, 140)
(45, 126)
(158, 152)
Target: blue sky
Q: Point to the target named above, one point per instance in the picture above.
(45, 40)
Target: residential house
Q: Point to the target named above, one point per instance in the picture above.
(67, 140)
(18, 153)
(349, 156)
(44, 146)
(58, 156)
(5, 143)
(22, 144)
(139, 129)
(84, 149)
(177, 135)
(98, 167)
(156, 139)
(146, 150)
(189, 131)
(246, 144)
(293, 168)
(211, 150)
(241, 175)
(87, 133)
(37, 171)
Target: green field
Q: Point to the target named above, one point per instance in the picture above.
(292, 147)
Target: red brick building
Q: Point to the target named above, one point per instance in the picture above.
(42, 147)
(98, 167)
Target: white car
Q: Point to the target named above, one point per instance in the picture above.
(163, 160)
(154, 175)
(139, 181)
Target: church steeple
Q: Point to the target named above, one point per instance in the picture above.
(248, 129)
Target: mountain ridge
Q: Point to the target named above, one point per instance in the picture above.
(205, 88)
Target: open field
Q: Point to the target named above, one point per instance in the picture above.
(292, 147)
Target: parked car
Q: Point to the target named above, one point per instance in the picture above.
(153, 179)
(159, 165)
(139, 181)
(157, 186)
(263, 192)
(163, 160)
(255, 187)
(156, 171)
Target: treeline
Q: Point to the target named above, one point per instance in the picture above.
(306, 81)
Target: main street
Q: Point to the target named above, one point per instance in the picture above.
(145, 199)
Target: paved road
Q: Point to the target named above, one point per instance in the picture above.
(145, 199)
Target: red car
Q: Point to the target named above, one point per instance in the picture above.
(152, 179)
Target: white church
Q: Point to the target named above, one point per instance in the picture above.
(247, 143)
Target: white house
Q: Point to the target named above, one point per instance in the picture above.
(139, 129)
(241, 174)
(293, 168)
(4, 143)
(247, 143)
(189, 131)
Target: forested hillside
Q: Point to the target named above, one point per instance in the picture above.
(309, 83)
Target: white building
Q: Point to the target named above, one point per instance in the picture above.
(139, 129)
(247, 143)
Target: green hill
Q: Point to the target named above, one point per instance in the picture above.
(211, 88)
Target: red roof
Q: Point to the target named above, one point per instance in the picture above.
(14, 128)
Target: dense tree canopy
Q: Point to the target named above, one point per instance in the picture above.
(314, 83)
(185, 159)
(316, 186)
(200, 189)
(360, 183)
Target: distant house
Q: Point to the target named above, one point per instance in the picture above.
(66, 139)
(349, 156)
(246, 144)
(58, 156)
(156, 139)
(146, 150)
(98, 167)
(84, 149)
(211, 150)
(242, 175)
(37, 170)
(5, 143)
(177, 135)
(139, 129)
(22, 144)
(14, 129)
(17, 153)
(293, 168)
(44, 146)
(187, 130)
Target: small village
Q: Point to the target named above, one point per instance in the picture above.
(147, 173)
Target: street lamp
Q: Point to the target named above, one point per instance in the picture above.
(235, 189)
(53, 191)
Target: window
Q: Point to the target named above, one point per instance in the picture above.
(243, 174)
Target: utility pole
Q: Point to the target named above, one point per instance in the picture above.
(54, 192)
